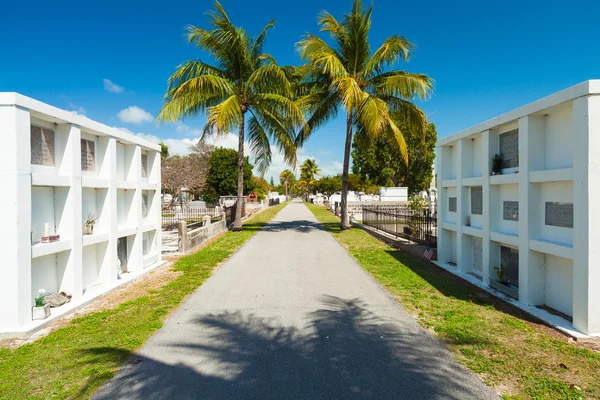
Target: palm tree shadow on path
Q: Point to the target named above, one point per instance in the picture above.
(343, 352)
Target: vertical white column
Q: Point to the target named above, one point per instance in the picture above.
(109, 267)
(486, 217)
(523, 192)
(461, 200)
(156, 179)
(71, 166)
(464, 249)
(15, 203)
(531, 263)
(586, 224)
(442, 208)
(135, 173)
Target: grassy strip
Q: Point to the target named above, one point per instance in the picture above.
(73, 362)
(518, 356)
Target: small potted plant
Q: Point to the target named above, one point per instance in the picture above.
(497, 163)
(89, 224)
(41, 310)
(500, 276)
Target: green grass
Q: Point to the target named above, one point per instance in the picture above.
(516, 355)
(74, 361)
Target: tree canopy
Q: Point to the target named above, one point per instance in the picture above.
(375, 95)
(222, 175)
(243, 83)
(186, 171)
(379, 161)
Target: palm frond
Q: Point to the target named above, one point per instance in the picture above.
(259, 145)
(373, 115)
(322, 108)
(192, 69)
(280, 131)
(186, 105)
(224, 117)
(403, 84)
(407, 113)
(393, 49)
(356, 48)
(350, 92)
(269, 78)
(210, 85)
(329, 23)
(395, 136)
(259, 42)
(281, 106)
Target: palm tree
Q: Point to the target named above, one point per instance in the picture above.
(374, 94)
(243, 80)
(286, 177)
(300, 186)
(309, 169)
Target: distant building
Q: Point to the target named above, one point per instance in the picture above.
(393, 194)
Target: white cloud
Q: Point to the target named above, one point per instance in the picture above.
(112, 87)
(135, 115)
(76, 110)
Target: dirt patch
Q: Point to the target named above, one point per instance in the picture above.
(138, 287)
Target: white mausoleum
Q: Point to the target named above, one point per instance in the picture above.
(58, 169)
(538, 221)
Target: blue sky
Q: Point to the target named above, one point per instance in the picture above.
(486, 57)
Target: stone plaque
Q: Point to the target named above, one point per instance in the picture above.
(477, 200)
(509, 147)
(88, 155)
(509, 264)
(559, 214)
(510, 210)
(42, 146)
(477, 254)
(144, 165)
(452, 204)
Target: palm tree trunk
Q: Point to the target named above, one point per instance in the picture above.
(345, 223)
(237, 225)
(286, 192)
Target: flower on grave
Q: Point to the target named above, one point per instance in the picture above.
(39, 301)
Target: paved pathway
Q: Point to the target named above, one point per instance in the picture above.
(292, 316)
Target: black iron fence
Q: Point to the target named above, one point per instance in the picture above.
(274, 202)
(420, 227)
(172, 216)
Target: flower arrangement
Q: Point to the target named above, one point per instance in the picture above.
(500, 276)
(39, 301)
(89, 224)
(497, 163)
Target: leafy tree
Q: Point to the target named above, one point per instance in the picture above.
(328, 185)
(287, 178)
(189, 171)
(222, 175)
(272, 182)
(261, 187)
(164, 151)
(243, 80)
(374, 94)
(380, 162)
